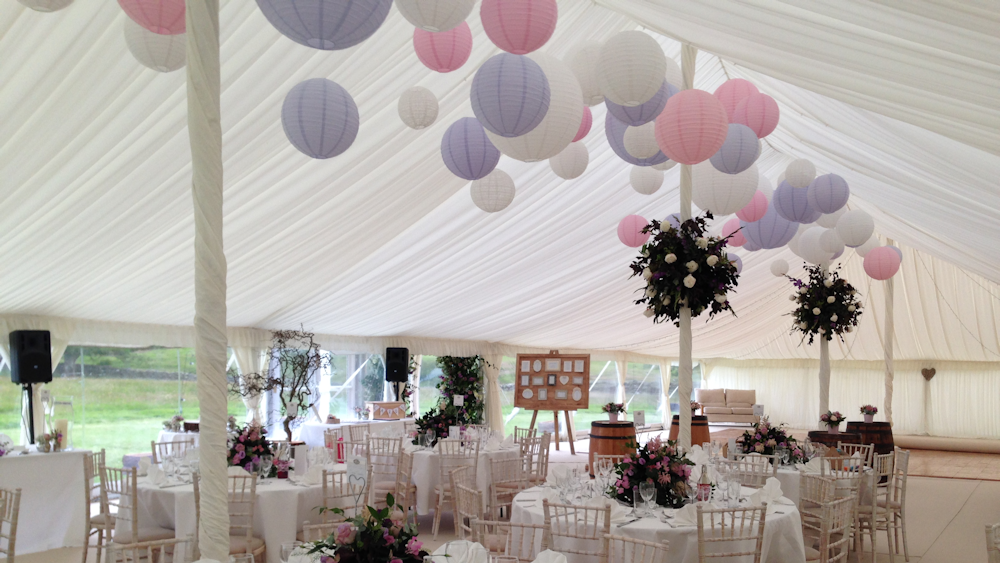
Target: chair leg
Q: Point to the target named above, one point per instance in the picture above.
(100, 543)
(902, 526)
(437, 516)
(454, 513)
(888, 536)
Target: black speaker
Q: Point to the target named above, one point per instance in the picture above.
(30, 356)
(397, 364)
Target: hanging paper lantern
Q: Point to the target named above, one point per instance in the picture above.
(720, 193)
(665, 165)
(751, 246)
(571, 162)
(640, 142)
(692, 127)
(754, 210)
(467, 151)
(510, 95)
(828, 193)
(779, 267)
(320, 118)
(615, 131)
(855, 227)
(162, 53)
(867, 247)
(519, 26)
(771, 231)
(765, 187)
(732, 92)
(733, 230)
(645, 180)
(418, 108)
(898, 251)
(810, 247)
(630, 231)
(800, 173)
(585, 124)
(325, 24)
(738, 152)
(493, 192)
(561, 122)
(645, 112)
(736, 261)
(435, 15)
(631, 68)
(829, 220)
(793, 244)
(882, 263)
(165, 17)
(581, 61)
(443, 51)
(758, 112)
(46, 5)
(674, 220)
(793, 204)
(830, 242)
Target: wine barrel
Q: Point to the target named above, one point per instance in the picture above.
(878, 434)
(830, 439)
(699, 429)
(611, 438)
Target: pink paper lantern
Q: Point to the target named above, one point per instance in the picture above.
(882, 263)
(729, 228)
(732, 92)
(759, 112)
(165, 17)
(692, 127)
(588, 120)
(443, 51)
(519, 26)
(755, 209)
(630, 231)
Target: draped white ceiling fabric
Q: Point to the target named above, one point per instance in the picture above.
(382, 244)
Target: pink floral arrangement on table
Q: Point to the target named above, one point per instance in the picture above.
(381, 536)
(765, 438)
(695, 405)
(831, 418)
(614, 408)
(657, 462)
(247, 446)
(869, 409)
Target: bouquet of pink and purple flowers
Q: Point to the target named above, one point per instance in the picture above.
(374, 536)
(660, 463)
(247, 447)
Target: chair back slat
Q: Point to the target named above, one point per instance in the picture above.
(993, 542)
(728, 532)
(176, 447)
(120, 486)
(339, 492)
(752, 470)
(521, 540)
(468, 503)
(566, 524)
(10, 506)
(832, 529)
(865, 451)
(622, 549)
(520, 434)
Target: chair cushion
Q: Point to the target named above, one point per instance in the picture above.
(151, 533)
(743, 410)
(102, 521)
(718, 410)
(741, 397)
(710, 396)
(238, 544)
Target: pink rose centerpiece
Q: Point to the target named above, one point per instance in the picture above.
(869, 412)
(657, 462)
(374, 536)
(766, 438)
(247, 447)
(832, 420)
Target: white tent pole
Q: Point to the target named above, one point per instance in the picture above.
(205, 131)
(887, 342)
(824, 369)
(689, 56)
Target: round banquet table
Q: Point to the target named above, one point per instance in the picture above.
(312, 432)
(782, 531)
(171, 436)
(427, 474)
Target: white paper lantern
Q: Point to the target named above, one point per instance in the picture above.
(571, 162)
(765, 187)
(418, 108)
(435, 15)
(793, 244)
(868, 245)
(561, 122)
(494, 192)
(855, 227)
(674, 75)
(664, 166)
(640, 141)
(719, 192)
(779, 267)
(800, 173)
(162, 53)
(631, 68)
(830, 242)
(46, 5)
(581, 61)
(645, 180)
(829, 220)
(810, 246)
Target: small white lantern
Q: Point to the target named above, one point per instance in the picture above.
(494, 192)
(765, 187)
(640, 141)
(779, 267)
(664, 166)
(631, 68)
(719, 192)
(830, 242)
(435, 15)
(162, 53)
(581, 61)
(868, 245)
(645, 180)
(571, 162)
(674, 75)
(810, 247)
(855, 227)
(800, 173)
(418, 108)
(829, 220)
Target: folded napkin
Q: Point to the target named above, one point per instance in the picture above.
(686, 516)
(156, 475)
(460, 551)
(770, 493)
(814, 466)
(314, 476)
(699, 456)
(509, 440)
(618, 511)
(236, 471)
(549, 556)
(559, 474)
(144, 463)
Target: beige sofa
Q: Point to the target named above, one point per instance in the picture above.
(727, 405)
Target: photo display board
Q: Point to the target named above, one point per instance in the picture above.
(552, 382)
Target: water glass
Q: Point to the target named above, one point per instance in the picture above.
(287, 549)
(786, 455)
(430, 438)
(734, 492)
(648, 492)
(692, 491)
(241, 558)
(266, 463)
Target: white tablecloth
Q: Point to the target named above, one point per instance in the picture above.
(427, 474)
(782, 532)
(53, 511)
(312, 432)
(168, 436)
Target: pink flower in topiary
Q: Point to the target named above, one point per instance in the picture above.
(346, 534)
(413, 546)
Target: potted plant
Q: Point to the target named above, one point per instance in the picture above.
(695, 405)
(869, 411)
(832, 420)
(613, 409)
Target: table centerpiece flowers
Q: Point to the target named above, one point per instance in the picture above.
(613, 410)
(832, 420)
(765, 438)
(174, 424)
(827, 305)
(374, 536)
(695, 405)
(248, 446)
(658, 462)
(869, 412)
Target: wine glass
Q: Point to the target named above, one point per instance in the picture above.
(287, 549)
(734, 491)
(786, 455)
(430, 438)
(648, 492)
(692, 491)
(266, 463)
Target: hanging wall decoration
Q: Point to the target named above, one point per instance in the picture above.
(325, 24)
(320, 118)
(443, 51)
(461, 377)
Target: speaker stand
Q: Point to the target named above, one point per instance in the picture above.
(31, 412)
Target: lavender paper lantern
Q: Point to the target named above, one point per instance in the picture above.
(326, 24)
(736, 260)
(615, 131)
(644, 112)
(320, 118)
(510, 95)
(793, 204)
(674, 220)
(739, 152)
(828, 193)
(771, 231)
(467, 151)
(751, 246)
(898, 251)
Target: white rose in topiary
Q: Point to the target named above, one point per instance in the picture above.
(816, 310)
(792, 297)
(828, 283)
(831, 299)
(803, 326)
(848, 329)
(666, 300)
(720, 297)
(649, 312)
(692, 266)
(701, 242)
(854, 292)
(645, 253)
(803, 290)
(822, 330)
(851, 308)
(650, 292)
(712, 260)
(647, 273)
(689, 281)
(833, 318)
(670, 258)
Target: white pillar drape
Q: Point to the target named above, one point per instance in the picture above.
(494, 413)
(415, 385)
(887, 342)
(250, 360)
(824, 375)
(205, 132)
(689, 56)
(621, 367)
(665, 394)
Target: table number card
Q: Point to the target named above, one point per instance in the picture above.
(639, 418)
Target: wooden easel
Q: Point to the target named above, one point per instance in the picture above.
(569, 429)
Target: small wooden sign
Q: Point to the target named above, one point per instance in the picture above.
(387, 410)
(552, 382)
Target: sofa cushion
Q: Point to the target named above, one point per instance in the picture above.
(743, 410)
(740, 397)
(718, 410)
(710, 396)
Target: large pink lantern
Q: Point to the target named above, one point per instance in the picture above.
(758, 112)
(165, 17)
(732, 92)
(754, 210)
(519, 26)
(443, 51)
(585, 124)
(732, 227)
(630, 231)
(692, 127)
(882, 263)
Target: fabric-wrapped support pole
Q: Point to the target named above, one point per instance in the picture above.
(887, 342)
(685, 369)
(824, 375)
(494, 412)
(205, 131)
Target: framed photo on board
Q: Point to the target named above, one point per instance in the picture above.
(552, 382)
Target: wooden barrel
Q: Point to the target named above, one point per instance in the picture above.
(611, 438)
(699, 429)
(829, 439)
(878, 434)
